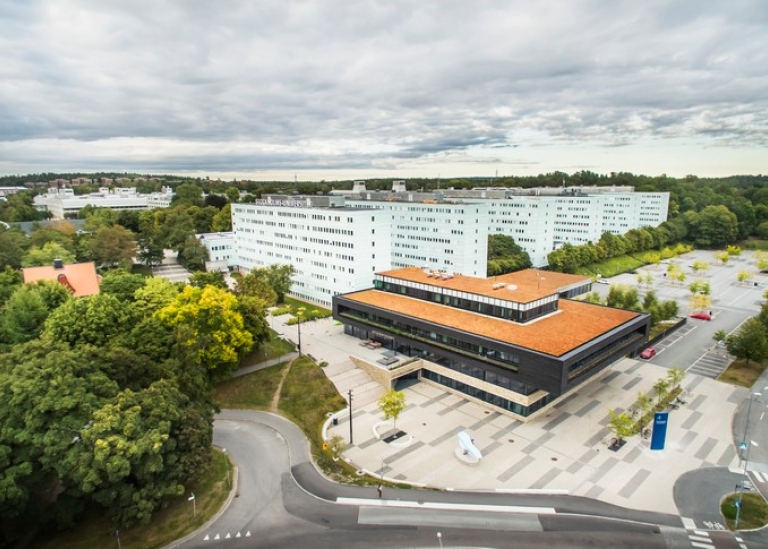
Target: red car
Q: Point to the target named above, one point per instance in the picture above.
(650, 352)
(701, 315)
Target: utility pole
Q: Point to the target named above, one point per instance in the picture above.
(350, 417)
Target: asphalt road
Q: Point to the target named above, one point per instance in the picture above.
(275, 506)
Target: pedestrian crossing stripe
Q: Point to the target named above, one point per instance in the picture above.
(761, 477)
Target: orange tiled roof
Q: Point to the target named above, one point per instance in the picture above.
(81, 276)
(529, 284)
(575, 324)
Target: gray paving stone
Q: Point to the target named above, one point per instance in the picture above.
(584, 410)
(633, 369)
(696, 402)
(634, 381)
(516, 468)
(706, 448)
(727, 457)
(737, 396)
(633, 454)
(694, 383)
(486, 450)
(434, 400)
(451, 408)
(686, 440)
(601, 471)
(594, 492)
(483, 422)
(405, 451)
(691, 421)
(566, 400)
(610, 377)
(445, 436)
(595, 439)
(507, 431)
(546, 478)
(551, 424)
(634, 483)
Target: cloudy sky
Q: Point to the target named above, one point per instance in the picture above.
(356, 89)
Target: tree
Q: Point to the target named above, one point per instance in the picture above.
(700, 302)
(723, 257)
(37, 257)
(13, 243)
(113, 245)
(208, 327)
(233, 194)
(750, 342)
(122, 284)
(593, 297)
(505, 256)
(256, 285)
(715, 226)
(156, 293)
(278, 277)
(643, 402)
(744, 276)
(222, 221)
(720, 336)
(193, 254)
(94, 320)
(623, 297)
(699, 266)
(392, 404)
(202, 279)
(10, 279)
(699, 287)
(23, 316)
(150, 249)
(188, 194)
(675, 377)
(620, 424)
(661, 387)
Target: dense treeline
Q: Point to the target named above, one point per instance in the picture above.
(107, 399)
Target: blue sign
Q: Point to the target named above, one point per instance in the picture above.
(659, 436)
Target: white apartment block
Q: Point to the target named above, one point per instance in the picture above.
(221, 250)
(446, 236)
(334, 248)
(63, 203)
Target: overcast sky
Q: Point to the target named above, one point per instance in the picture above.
(358, 89)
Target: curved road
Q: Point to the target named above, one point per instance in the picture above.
(283, 501)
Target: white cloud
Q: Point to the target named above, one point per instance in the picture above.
(323, 86)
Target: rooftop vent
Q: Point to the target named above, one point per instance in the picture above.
(58, 264)
(498, 286)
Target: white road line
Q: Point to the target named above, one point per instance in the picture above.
(688, 523)
(702, 545)
(759, 476)
(446, 506)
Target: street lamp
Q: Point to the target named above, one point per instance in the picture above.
(299, 314)
(745, 447)
(440, 539)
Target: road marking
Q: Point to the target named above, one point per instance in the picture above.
(688, 523)
(207, 537)
(446, 506)
(702, 545)
(759, 476)
(705, 539)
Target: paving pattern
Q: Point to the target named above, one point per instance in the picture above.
(564, 450)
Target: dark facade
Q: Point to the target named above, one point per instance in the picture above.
(511, 376)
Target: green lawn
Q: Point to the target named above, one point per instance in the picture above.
(741, 373)
(252, 391)
(274, 348)
(610, 267)
(754, 511)
(167, 525)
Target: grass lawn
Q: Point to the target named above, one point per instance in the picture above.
(252, 391)
(307, 396)
(610, 267)
(167, 525)
(274, 348)
(295, 304)
(754, 511)
(742, 373)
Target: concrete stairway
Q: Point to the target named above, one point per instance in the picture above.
(346, 376)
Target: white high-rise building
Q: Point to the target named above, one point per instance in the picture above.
(334, 248)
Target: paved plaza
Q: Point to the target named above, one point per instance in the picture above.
(565, 450)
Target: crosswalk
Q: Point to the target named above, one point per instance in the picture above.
(711, 364)
(228, 535)
(759, 477)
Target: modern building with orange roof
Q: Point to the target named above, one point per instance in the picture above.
(515, 342)
(81, 278)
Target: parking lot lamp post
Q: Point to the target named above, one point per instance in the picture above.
(746, 445)
(299, 316)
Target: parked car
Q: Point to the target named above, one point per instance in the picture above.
(701, 315)
(650, 352)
